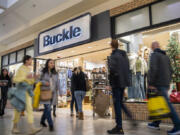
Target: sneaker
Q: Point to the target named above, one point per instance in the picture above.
(116, 130)
(174, 131)
(152, 126)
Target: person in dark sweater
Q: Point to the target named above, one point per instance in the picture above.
(5, 83)
(72, 94)
(80, 90)
(119, 79)
(159, 77)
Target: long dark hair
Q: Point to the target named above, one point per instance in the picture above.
(2, 75)
(46, 70)
(25, 58)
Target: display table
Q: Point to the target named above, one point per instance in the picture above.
(140, 112)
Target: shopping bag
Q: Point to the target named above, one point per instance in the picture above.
(37, 95)
(157, 106)
(102, 103)
(175, 96)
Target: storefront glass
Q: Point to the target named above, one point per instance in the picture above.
(12, 58)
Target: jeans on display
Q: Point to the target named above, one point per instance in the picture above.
(73, 100)
(174, 116)
(118, 94)
(131, 89)
(145, 83)
(79, 95)
(139, 86)
(47, 115)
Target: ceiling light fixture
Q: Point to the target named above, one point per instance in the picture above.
(72, 51)
(89, 47)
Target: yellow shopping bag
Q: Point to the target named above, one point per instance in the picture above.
(37, 95)
(157, 106)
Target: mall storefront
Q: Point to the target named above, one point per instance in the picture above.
(82, 41)
(139, 27)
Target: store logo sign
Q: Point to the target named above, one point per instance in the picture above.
(65, 35)
(73, 32)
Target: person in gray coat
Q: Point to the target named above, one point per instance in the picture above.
(50, 81)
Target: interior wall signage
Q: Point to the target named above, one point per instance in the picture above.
(65, 35)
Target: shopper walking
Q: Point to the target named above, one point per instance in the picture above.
(50, 81)
(80, 90)
(119, 80)
(73, 100)
(5, 83)
(160, 73)
(24, 79)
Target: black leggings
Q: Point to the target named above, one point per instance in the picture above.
(3, 100)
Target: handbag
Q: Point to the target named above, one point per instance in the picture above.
(46, 95)
(175, 96)
(157, 106)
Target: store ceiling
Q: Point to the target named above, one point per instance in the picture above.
(26, 18)
(100, 50)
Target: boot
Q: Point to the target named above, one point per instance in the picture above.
(81, 116)
(51, 128)
(15, 129)
(34, 130)
(54, 111)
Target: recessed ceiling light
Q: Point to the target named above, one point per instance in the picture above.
(72, 51)
(89, 47)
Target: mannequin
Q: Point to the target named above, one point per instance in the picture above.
(131, 90)
(139, 70)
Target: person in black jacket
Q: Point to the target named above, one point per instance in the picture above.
(119, 80)
(72, 94)
(159, 75)
(80, 90)
(5, 83)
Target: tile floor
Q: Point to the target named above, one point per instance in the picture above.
(66, 125)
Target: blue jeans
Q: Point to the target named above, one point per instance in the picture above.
(73, 101)
(131, 89)
(79, 95)
(139, 86)
(174, 116)
(47, 115)
(118, 94)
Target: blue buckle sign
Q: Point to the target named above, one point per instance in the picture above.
(63, 36)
